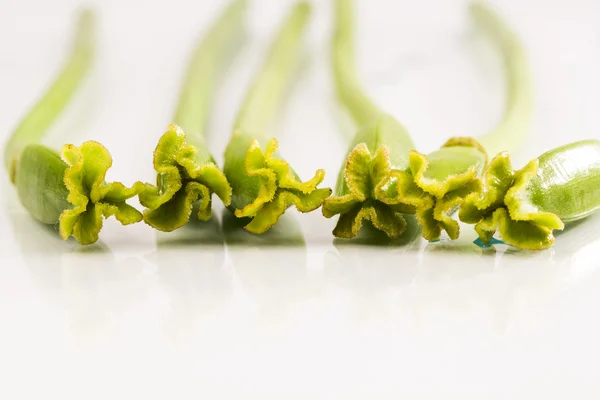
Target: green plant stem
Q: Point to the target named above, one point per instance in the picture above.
(366, 186)
(263, 184)
(187, 173)
(37, 121)
(347, 85)
(205, 72)
(360, 107)
(451, 173)
(515, 124)
(263, 101)
(67, 189)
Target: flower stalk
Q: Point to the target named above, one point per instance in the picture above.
(451, 173)
(367, 185)
(187, 173)
(69, 188)
(263, 184)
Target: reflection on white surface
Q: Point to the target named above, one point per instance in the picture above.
(271, 269)
(88, 284)
(191, 271)
(212, 298)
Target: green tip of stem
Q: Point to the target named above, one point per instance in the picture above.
(92, 198)
(182, 182)
(372, 195)
(279, 188)
(502, 204)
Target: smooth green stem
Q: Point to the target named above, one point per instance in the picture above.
(44, 113)
(447, 176)
(515, 124)
(368, 181)
(204, 73)
(264, 99)
(68, 189)
(263, 184)
(348, 88)
(187, 174)
(375, 127)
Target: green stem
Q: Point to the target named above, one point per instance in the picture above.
(363, 110)
(204, 72)
(67, 189)
(515, 124)
(263, 184)
(451, 173)
(187, 173)
(263, 100)
(348, 88)
(35, 124)
(367, 182)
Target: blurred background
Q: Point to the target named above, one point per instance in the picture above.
(212, 311)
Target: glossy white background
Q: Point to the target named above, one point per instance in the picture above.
(212, 312)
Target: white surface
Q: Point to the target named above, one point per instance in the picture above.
(147, 315)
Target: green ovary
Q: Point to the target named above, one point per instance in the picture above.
(525, 206)
(567, 182)
(39, 181)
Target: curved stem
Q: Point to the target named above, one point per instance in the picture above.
(67, 189)
(362, 109)
(516, 121)
(264, 98)
(368, 182)
(35, 124)
(447, 176)
(376, 128)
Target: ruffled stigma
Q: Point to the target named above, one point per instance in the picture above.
(438, 183)
(92, 198)
(503, 204)
(371, 187)
(279, 188)
(182, 181)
